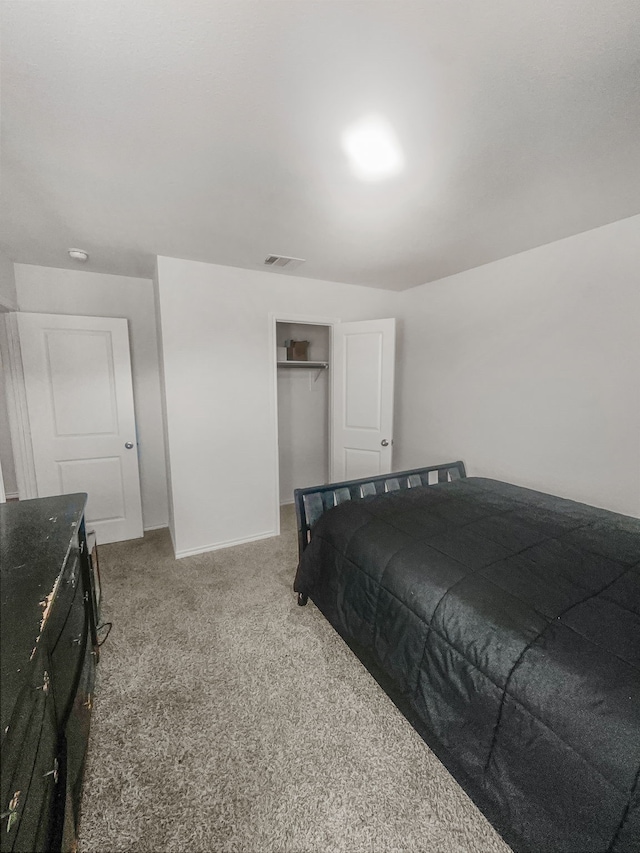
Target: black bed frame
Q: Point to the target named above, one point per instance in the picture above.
(315, 500)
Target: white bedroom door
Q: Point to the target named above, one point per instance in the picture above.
(363, 365)
(79, 393)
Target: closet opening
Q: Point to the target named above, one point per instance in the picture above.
(303, 396)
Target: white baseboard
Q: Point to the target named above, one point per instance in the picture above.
(12, 496)
(155, 527)
(287, 503)
(218, 546)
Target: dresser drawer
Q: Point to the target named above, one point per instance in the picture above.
(77, 729)
(68, 653)
(20, 738)
(58, 609)
(18, 756)
(37, 821)
(29, 744)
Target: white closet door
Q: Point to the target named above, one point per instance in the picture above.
(77, 374)
(363, 365)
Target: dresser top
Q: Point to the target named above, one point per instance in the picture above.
(35, 539)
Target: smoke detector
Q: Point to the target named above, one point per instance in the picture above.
(79, 255)
(283, 261)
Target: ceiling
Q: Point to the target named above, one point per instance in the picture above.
(212, 131)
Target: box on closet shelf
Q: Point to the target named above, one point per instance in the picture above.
(298, 351)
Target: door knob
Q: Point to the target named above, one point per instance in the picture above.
(384, 442)
(128, 445)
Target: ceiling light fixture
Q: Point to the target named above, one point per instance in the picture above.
(79, 255)
(373, 149)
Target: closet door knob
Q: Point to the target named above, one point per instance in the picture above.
(128, 445)
(384, 442)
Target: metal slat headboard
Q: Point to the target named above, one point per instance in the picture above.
(314, 500)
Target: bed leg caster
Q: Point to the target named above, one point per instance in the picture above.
(302, 599)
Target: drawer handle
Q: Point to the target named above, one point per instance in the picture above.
(53, 772)
(46, 681)
(12, 814)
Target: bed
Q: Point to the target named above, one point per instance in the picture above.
(505, 625)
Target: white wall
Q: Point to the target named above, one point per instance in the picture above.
(81, 293)
(220, 389)
(529, 369)
(303, 413)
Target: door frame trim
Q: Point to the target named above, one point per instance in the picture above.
(18, 414)
(276, 317)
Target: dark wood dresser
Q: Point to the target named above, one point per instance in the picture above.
(48, 645)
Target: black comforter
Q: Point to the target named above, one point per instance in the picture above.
(505, 623)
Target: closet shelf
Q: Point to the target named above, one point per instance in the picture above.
(315, 365)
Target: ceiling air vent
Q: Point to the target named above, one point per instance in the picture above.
(283, 261)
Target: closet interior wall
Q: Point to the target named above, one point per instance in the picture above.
(303, 413)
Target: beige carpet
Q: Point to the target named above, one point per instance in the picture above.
(227, 718)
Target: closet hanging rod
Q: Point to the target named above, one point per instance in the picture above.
(315, 365)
